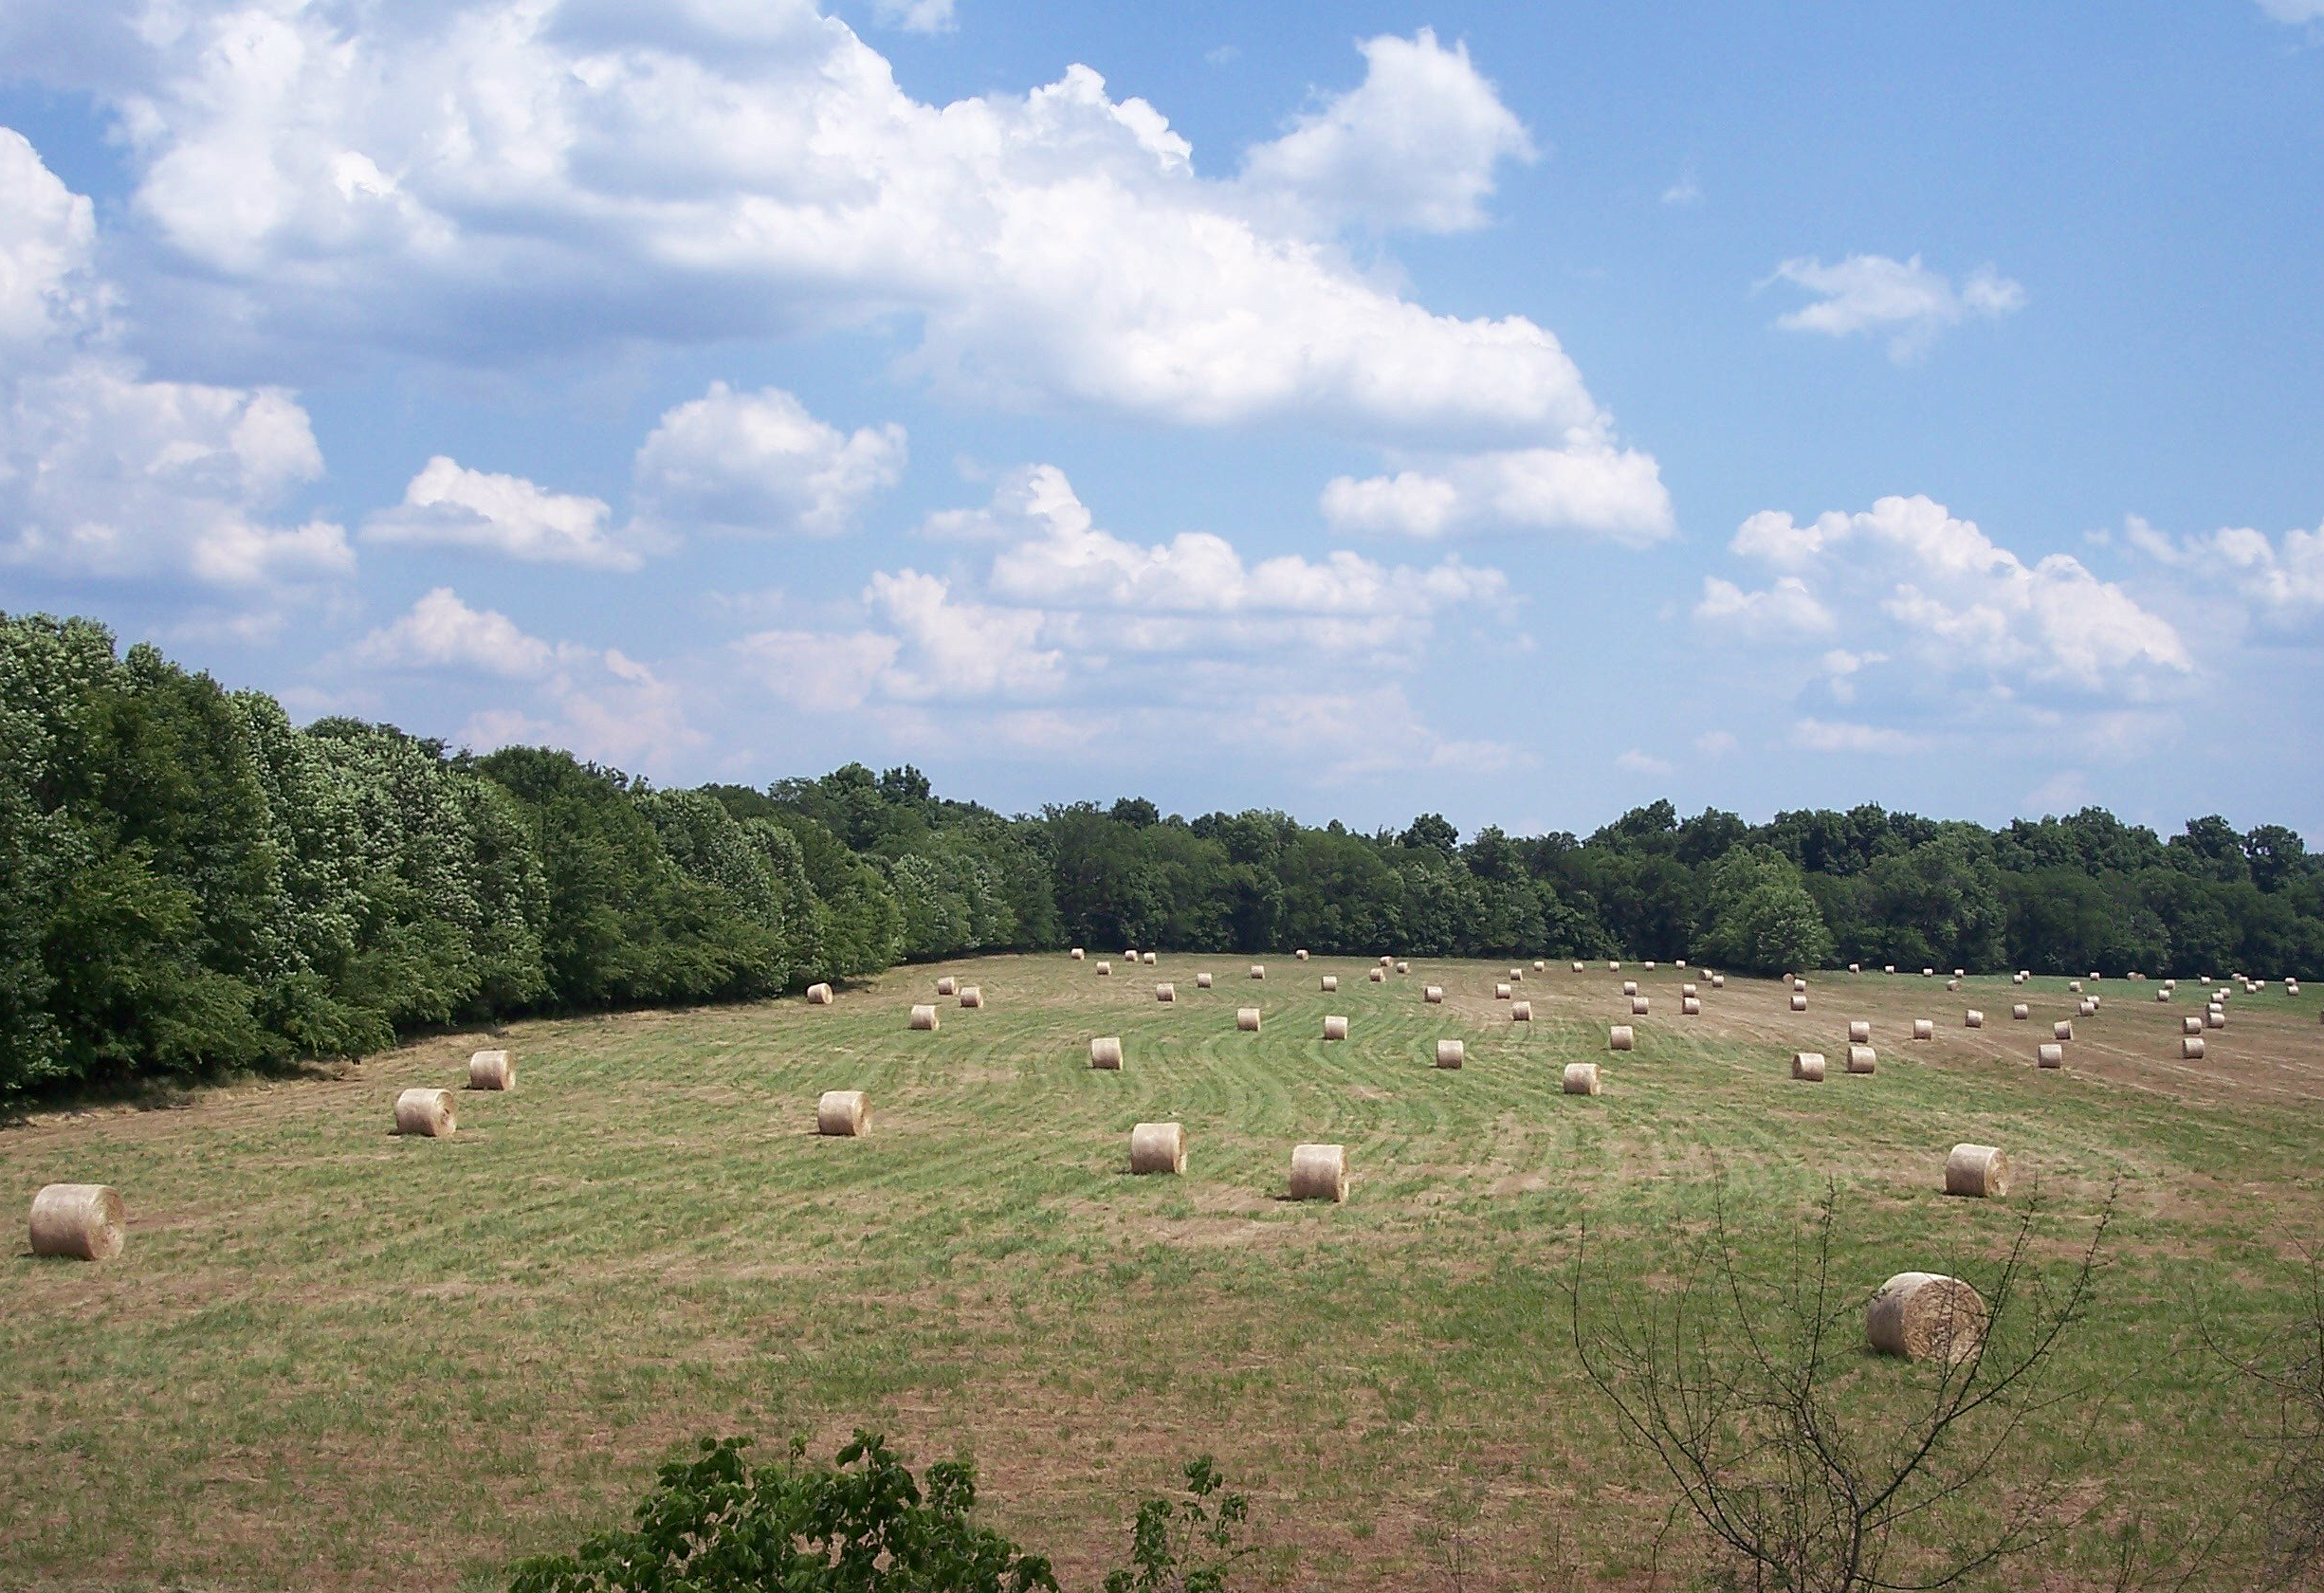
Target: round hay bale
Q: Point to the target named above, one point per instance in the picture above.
(2190, 1025)
(1319, 1172)
(1620, 1037)
(1799, 1002)
(1924, 1029)
(1928, 973)
(1335, 1027)
(1329, 983)
(1577, 967)
(1688, 989)
(1377, 976)
(842, 1114)
(2085, 1008)
(1515, 975)
(972, 995)
(924, 1019)
(1501, 992)
(1799, 983)
(1630, 987)
(1639, 1005)
(1681, 963)
(1387, 961)
(2017, 978)
(1451, 1054)
(1718, 981)
(1972, 1019)
(1925, 1316)
(1301, 955)
(1978, 1172)
(1203, 981)
(1521, 1012)
(1158, 1147)
(2191, 1048)
(1859, 1031)
(2162, 995)
(2049, 1056)
(1690, 1006)
(1104, 969)
(1952, 984)
(1403, 967)
(947, 986)
(819, 995)
(1856, 967)
(2021, 1012)
(1149, 959)
(84, 1221)
(1863, 1059)
(426, 1112)
(491, 1070)
(1105, 1053)
(1808, 1065)
(1650, 965)
(1166, 992)
(1540, 966)
(2074, 985)
(2062, 1029)
(1247, 1019)
(1258, 970)
(1129, 954)
(1078, 954)
(1613, 965)
(1433, 995)
(1889, 968)
(1582, 1078)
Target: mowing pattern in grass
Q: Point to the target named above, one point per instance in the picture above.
(331, 1355)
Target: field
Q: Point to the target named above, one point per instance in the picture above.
(332, 1356)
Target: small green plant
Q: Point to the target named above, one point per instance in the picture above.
(716, 1525)
(1188, 1548)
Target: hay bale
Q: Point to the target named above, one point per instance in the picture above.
(1863, 1059)
(1501, 992)
(2021, 1012)
(1859, 1031)
(1972, 1019)
(1329, 983)
(1540, 966)
(1104, 969)
(1379, 975)
(1690, 1006)
(842, 1114)
(819, 995)
(947, 986)
(1856, 967)
(1718, 981)
(2049, 1056)
(1925, 1316)
(426, 1112)
(85, 1222)
(1681, 963)
(1166, 992)
(1521, 1012)
(2017, 978)
(1924, 1029)
(1620, 1038)
(1433, 995)
(1808, 1066)
(2062, 1029)
(1247, 1019)
(1577, 967)
(1301, 955)
(1581, 1077)
(491, 1070)
(1977, 1172)
(1799, 1002)
(1928, 973)
(972, 995)
(1650, 965)
(1149, 959)
(1258, 970)
(1402, 967)
(2191, 1048)
(924, 1019)
(1319, 1172)
(2162, 995)
(1889, 968)
(1639, 1006)
(1952, 984)
(1688, 989)
(1335, 1027)
(1451, 1054)
(2190, 1026)
(2074, 985)
(1158, 1147)
(1799, 984)
(1203, 981)
(2215, 1018)
(1078, 954)
(1515, 975)
(1106, 1053)
(1630, 987)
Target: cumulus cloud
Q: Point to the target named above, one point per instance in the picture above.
(1953, 601)
(1903, 299)
(1818, 735)
(2281, 578)
(759, 461)
(1589, 485)
(47, 244)
(1416, 144)
(2294, 11)
(442, 632)
(1637, 762)
(915, 16)
(449, 506)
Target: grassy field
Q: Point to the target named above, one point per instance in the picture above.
(331, 1357)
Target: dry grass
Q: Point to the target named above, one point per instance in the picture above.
(334, 1357)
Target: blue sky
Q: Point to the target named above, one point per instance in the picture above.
(1516, 411)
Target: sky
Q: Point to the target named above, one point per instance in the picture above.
(1520, 412)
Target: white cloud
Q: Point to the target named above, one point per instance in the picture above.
(1637, 762)
(1686, 191)
(443, 632)
(1416, 144)
(449, 506)
(2294, 11)
(2282, 580)
(759, 461)
(1874, 293)
(915, 16)
(1343, 736)
(1816, 735)
(819, 671)
(47, 243)
(955, 648)
(1588, 485)
(1909, 576)
(1716, 744)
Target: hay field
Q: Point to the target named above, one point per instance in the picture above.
(331, 1357)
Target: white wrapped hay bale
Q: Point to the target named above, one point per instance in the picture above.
(924, 1019)
(2074, 985)
(1690, 1006)
(2051, 1055)
(1540, 966)
(491, 1070)
(1613, 965)
(1451, 1054)
(1301, 955)
(1808, 1066)
(1620, 1037)
(1863, 1059)
(1078, 954)
(1797, 983)
(1166, 992)
(1247, 1019)
(1335, 1027)
(1859, 1031)
(1105, 1053)
(2161, 995)
(1582, 1078)
(1577, 967)
(1681, 963)
(947, 986)
(1433, 995)
(1925, 1317)
(426, 1112)
(1650, 965)
(1977, 1172)
(2191, 1048)
(1688, 989)
(819, 995)
(1149, 959)
(83, 1221)
(1104, 970)
(842, 1114)
(1387, 961)
(1319, 1172)
(1377, 976)
(1158, 1147)
(1521, 1012)
(1972, 1019)
(1328, 984)
(1856, 967)
(1924, 1029)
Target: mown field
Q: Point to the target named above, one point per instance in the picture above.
(331, 1357)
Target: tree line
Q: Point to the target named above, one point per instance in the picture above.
(190, 882)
